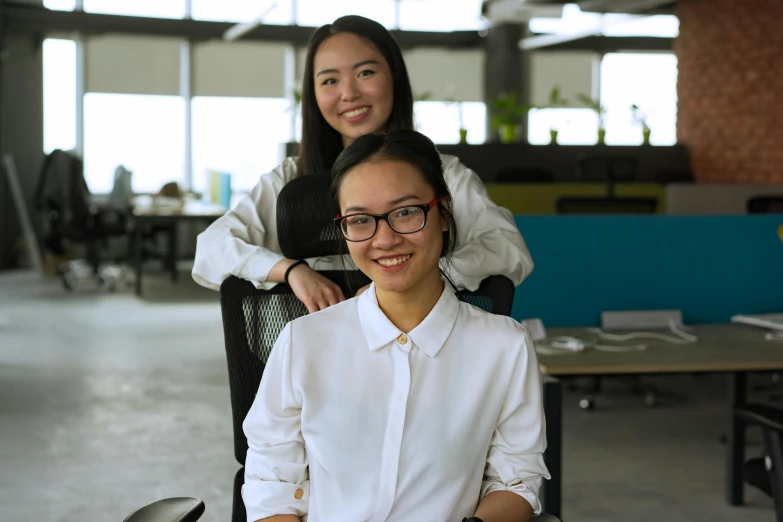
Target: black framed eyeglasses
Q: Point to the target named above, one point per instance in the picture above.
(403, 220)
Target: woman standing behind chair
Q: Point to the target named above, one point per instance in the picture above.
(355, 83)
(403, 404)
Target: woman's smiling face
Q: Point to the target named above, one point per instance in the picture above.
(353, 86)
(394, 262)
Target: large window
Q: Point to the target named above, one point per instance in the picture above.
(648, 81)
(242, 136)
(574, 126)
(574, 20)
(274, 12)
(60, 5)
(320, 12)
(440, 121)
(59, 94)
(440, 15)
(145, 134)
(151, 8)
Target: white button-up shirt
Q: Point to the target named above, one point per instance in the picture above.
(244, 242)
(357, 421)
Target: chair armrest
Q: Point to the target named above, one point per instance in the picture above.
(543, 517)
(181, 509)
(768, 417)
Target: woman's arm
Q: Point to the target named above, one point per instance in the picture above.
(233, 244)
(488, 240)
(515, 463)
(504, 506)
(276, 475)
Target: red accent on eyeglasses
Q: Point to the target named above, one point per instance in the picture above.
(430, 204)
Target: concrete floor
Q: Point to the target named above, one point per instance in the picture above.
(108, 402)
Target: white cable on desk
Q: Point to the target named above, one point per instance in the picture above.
(568, 344)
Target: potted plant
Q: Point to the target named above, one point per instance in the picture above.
(600, 110)
(556, 101)
(463, 132)
(640, 118)
(507, 114)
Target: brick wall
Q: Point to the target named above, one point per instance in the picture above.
(730, 88)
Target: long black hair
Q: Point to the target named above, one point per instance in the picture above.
(321, 144)
(411, 147)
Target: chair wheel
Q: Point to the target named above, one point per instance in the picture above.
(586, 403)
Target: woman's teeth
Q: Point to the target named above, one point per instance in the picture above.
(394, 261)
(356, 112)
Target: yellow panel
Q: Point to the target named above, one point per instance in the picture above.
(541, 198)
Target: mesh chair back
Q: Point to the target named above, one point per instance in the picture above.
(305, 218)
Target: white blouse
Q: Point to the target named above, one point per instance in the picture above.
(244, 242)
(356, 421)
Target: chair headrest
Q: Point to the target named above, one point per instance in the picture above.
(305, 218)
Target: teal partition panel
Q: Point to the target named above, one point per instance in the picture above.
(710, 267)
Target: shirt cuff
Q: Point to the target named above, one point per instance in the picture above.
(257, 267)
(528, 490)
(264, 499)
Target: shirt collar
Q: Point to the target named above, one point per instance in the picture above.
(429, 336)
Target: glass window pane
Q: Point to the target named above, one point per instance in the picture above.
(59, 94)
(281, 12)
(441, 15)
(146, 134)
(647, 80)
(440, 121)
(60, 5)
(319, 12)
(151, 8)
(574, 126)
(573, 20)
(242, 136)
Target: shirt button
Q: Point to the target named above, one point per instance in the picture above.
(402, 339)
(298, 494)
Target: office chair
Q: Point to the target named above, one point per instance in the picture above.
(71, 215)
(253, 319)
(765, 205)
(523, 175)
(606, 205)
(766, 473)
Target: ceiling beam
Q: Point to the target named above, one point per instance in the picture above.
(614, 44)
(24, 18)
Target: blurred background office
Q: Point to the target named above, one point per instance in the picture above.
(637, 143)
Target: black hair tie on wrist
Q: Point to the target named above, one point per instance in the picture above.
(293, 265)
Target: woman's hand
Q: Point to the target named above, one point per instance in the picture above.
(314, 290)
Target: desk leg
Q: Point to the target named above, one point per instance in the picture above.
(553, 410)
(137, 254)
(735, 447)
(173, 254)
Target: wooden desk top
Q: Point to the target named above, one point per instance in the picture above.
(720, 348)
(186, 209)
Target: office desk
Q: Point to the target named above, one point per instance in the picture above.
(733, 349)
(147, 215)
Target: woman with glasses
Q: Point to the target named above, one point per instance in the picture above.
(402, 404)
(355, 83)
